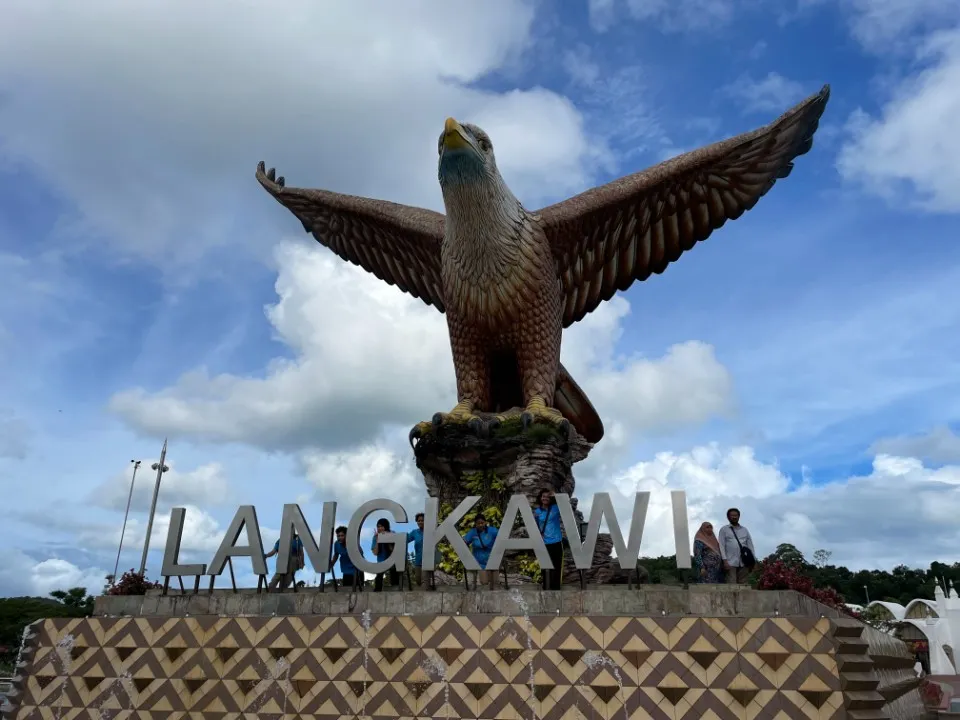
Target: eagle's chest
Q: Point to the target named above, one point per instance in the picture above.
(492, 278)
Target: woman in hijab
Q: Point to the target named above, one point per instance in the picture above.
(706, 556)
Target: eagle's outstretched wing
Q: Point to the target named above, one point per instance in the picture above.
(397, 243)
(606, 238)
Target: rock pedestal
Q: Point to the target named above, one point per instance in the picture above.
(517, 461)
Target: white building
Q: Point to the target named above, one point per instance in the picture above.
(936, 621)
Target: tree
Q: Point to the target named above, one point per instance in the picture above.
(18, 612)
(789, 555)
(75, 598)
(821, 558)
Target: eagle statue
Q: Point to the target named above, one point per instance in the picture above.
(510, 280)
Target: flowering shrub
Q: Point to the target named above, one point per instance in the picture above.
(777, 575)
(132, 583)
(931, 693)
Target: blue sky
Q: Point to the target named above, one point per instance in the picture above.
(801, 363)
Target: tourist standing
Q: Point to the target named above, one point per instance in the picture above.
(415, 536)
(547, 515)
(480, 540)
(736, 549)
(351, 576)
(294, 563)
(383, 551)
(706, 556)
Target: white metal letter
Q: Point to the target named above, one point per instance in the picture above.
(171, 554)
(434, 533)
(245, 519)
(519, 504)
(293, 521)
(681, 528)
(398, 557)
(627, 554)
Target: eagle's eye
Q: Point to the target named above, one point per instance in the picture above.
(484, 143)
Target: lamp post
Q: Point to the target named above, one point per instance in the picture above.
(161, 469)
(123, 530)
(866, 592)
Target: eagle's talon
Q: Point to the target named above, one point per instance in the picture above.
(272, 174)
(537, 410)
(419, 431)
(492, 425)
(462, 414)
(281, 182)
(476, 426)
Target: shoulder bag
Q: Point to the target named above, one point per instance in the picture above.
(747, 558)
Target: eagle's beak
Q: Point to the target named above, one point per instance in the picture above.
(454, 136)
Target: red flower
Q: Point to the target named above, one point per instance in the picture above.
(776, 575)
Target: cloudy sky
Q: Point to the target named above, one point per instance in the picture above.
(803, 364)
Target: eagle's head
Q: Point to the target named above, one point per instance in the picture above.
(466, 158)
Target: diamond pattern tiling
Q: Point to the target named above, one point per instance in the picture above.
(487, 667)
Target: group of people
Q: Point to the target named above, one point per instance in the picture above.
(479, 539)
(725, 558)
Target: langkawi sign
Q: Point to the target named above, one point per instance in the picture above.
(581, 548)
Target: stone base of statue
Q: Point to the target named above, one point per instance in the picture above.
(509, 460)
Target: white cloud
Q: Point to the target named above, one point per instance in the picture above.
(673, 16)
(854, 517)
(55, 574)
(204, 486)
(602, 14)
(366, 355)
(771, 94)
(908, 152)
(368, 358)
(201, 537)
(22, 575)
(881, 24)
(353, 477)
(616, 104)
(670, 16)
(202, 532)
(151, 118)
(940, 445)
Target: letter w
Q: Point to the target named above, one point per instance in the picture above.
(627, 554)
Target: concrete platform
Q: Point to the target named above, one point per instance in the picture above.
(648, 600)
(602, 654)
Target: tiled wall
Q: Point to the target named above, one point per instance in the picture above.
(468, 666)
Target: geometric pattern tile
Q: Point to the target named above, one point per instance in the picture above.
(468, 666)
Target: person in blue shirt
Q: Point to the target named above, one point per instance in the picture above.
(296, 562)
(383, 550)
(415, 536)
(351, 576)
(547, 515)
(480, 541)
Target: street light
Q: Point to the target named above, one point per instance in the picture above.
(161, 468)
(867, 593)
(136, 466)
